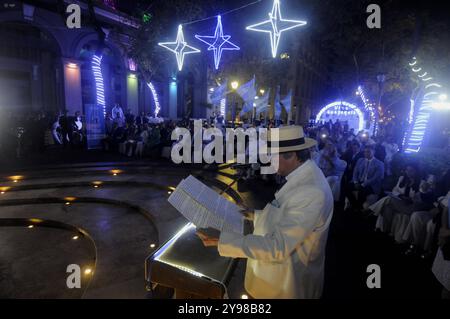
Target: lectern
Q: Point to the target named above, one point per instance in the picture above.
(192, 270)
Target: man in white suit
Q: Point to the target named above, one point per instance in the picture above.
(286, 252)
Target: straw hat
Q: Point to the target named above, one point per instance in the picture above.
(291, 138)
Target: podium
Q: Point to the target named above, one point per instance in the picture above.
(192, 270)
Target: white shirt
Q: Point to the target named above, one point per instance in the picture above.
(391, 149)
(79, 124)
(366, 169)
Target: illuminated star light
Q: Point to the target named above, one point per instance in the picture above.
(179, 47)
(218, 42)
(275, 26)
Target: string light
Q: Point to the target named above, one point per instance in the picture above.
(155, 98)
(99, 86)
(368, 106)
(419, 115)
(228, 12)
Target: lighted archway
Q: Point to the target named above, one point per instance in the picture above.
(343, 111)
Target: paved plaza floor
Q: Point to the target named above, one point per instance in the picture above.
(107, 216)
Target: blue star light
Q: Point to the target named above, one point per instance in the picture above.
(218, 42)
(275, 26)
(179, 47)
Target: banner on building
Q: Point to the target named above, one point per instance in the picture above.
(95, 126)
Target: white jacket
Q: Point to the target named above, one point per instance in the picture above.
(286, 252)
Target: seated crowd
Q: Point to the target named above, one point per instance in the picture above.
(409, 203)
(360, 173)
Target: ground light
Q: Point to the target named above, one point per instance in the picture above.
(15, 178)
(69, 200)
(116, 172)
(97, 184)
(244, 296)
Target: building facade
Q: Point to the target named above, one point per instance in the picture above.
(46, 66)
(306, 77)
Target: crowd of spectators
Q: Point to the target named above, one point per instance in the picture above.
(410, 204)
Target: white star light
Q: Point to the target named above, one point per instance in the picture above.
(179, 47)
(218, 42)
(275, 26)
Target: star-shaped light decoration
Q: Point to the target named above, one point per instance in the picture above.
(275, 26)
(218, 42)
(179, 47)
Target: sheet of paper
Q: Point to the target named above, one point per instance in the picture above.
(206, 208)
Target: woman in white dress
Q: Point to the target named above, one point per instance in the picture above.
(391, 149)
(405, 199)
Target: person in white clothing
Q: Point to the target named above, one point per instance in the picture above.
(391, 149)
(441, 264)
(286, 251)
(117, 113)
(399, 200)
(421, 227)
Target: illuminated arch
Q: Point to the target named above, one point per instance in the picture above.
(353, 107)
